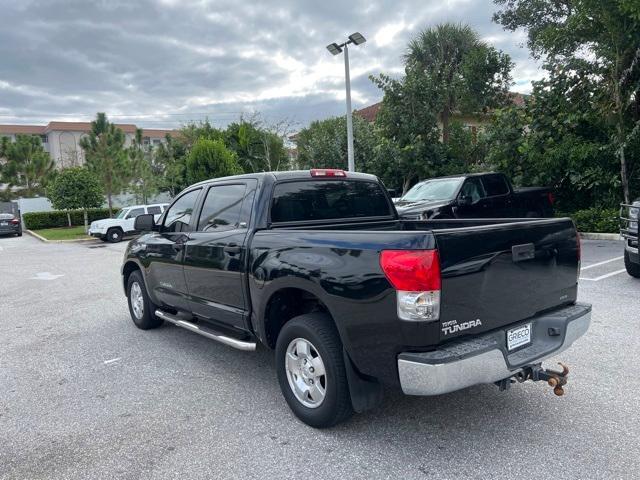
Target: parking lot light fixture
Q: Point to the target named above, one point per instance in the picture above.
(356, 39)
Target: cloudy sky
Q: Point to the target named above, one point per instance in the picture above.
(161, 63)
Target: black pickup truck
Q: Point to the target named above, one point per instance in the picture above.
(317, 266)
(474, 195)
(629, 216)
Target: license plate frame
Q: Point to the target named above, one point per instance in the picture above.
(519, 337)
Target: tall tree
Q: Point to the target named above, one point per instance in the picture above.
(75, 188)
(468, 76)
(604, 35)
(144, 173)
(170, 159)
(106, 156)
(27, 164)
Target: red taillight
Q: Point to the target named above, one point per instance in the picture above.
(412, 270)
(551, 198)
(15, 221)
(327, 172)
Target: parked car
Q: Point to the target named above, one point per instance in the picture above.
(629, 232)
(474, 195)
(10, 223)
(114, 229)
(317, 266)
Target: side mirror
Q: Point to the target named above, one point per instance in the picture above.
(465, 200)
(144, 223)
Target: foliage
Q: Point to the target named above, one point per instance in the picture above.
(210, 159)
(602, 220)
(26, 164)
(598, 41)
(323, 144)
(144, 170)
(58, 218)
(106, 157)
(259, 148)
(170, 159)
(465, 75)
(75, 188)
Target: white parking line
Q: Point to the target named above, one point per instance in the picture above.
(593, 265)
(113, 360)
(602, 277)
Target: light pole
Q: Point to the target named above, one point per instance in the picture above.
(335, 49)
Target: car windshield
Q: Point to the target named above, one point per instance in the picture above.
(437, 189)
(122, 213)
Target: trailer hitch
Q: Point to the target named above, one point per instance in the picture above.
(537, 373)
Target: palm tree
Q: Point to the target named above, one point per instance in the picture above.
(465, 71)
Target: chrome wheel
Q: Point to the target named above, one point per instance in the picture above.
(306, 373)
(137, 300)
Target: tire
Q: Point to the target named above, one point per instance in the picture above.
(19, 234)
(114, 235)
(317, 331)
(633, 269)
(141, 307)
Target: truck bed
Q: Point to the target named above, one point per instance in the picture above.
(497, 271)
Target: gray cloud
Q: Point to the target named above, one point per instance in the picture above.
(164, 62)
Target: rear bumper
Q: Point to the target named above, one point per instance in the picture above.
(485, 359)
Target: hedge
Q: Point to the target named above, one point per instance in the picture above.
(600, 220)
(58, 218)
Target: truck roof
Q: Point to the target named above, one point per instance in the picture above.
(291, 175)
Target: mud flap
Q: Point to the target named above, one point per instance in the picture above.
(366, 392)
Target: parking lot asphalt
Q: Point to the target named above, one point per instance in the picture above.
(84, 394)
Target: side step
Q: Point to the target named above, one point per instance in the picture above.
(207, 332)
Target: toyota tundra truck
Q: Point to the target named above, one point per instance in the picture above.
(317, 266)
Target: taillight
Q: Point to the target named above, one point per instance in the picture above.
(551, 198)
(327, 172)
(15, 221)
(415, 274)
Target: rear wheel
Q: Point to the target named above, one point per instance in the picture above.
(114, 235)
(633, 269)
(141, 308)
(311, 370)
(19, 234)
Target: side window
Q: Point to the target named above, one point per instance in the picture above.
(495, 185)
(472, 188)
(178, 215)
(154, 210)
(134, 212)
(221, 209)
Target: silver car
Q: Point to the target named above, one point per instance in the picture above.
(10, 223)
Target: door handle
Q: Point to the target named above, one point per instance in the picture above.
(232, 249)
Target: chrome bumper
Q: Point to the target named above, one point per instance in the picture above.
(484, 359)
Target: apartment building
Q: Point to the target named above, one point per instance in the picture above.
(62, 139)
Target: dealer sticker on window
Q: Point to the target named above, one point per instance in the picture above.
(518, 337)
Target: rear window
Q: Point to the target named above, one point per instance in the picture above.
(327, 200)
(495, 185)
(154, 210)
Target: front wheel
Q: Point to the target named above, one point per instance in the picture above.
(114, 235)
(141, 308)
(633, 269)
(311, 370)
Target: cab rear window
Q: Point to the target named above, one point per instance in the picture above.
(328, 200)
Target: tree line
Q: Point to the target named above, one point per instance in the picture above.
(578, 131)
(195, 152)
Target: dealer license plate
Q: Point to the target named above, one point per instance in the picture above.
(518, 337)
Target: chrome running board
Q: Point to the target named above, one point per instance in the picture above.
(207, 332)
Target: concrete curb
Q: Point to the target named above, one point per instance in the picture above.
(600, 236)
(42, 239)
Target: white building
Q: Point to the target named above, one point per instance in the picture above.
(62, 139)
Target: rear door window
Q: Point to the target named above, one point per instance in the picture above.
(495, 185)
(222, 208)
(155, 210)
(328, 200)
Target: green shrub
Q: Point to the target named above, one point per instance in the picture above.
(601, 220)
(58, 218)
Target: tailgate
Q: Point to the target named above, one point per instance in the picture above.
(495, 275)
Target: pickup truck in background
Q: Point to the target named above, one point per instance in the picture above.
(629, 214)
(474, 195)
(318, 266)
(114, 229)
